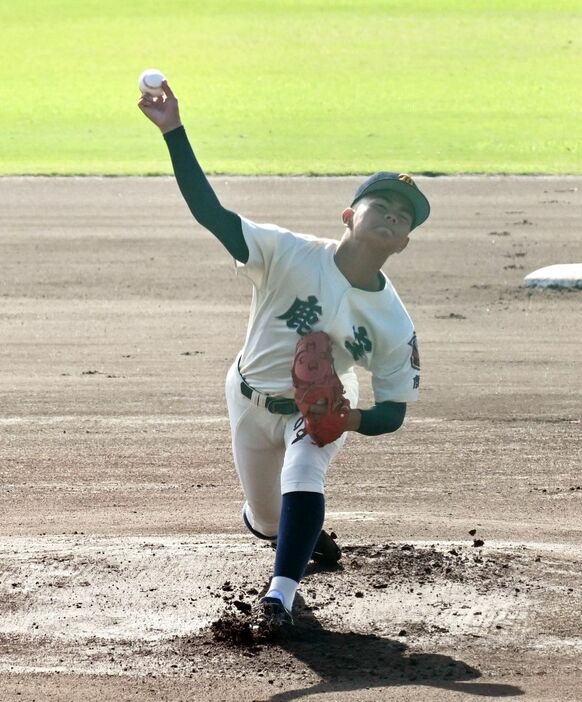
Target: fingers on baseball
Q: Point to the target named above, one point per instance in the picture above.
(167, 89)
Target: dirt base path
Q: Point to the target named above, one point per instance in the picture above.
(120, 538)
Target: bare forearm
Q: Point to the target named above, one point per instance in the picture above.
(354, 419)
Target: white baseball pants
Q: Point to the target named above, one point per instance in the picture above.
(267, 461)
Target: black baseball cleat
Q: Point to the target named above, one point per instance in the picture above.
(326, 551)
(271, 616)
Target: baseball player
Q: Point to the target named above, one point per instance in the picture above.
(302, 286)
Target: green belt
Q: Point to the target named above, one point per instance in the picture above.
(275, 405)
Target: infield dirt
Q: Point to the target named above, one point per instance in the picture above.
(121, 539)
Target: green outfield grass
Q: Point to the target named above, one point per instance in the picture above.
(304, 86)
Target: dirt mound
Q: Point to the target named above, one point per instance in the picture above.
(365, 570)
(330, 654)
(234, 629)
(406, 564)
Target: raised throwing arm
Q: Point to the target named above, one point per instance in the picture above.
(200, 197)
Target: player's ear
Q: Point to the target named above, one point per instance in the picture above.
(347, 217)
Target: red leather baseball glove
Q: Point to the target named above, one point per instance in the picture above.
(316, 383)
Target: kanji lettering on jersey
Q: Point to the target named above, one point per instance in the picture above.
(361, 344)
(302, 314)
(414, 356)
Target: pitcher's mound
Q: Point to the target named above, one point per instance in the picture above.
(562, 275)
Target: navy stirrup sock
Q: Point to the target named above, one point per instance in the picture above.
(300, 525)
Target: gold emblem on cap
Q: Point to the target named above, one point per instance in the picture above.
(407, 179)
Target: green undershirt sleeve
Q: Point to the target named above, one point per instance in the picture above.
(201, 198)
(382, 418)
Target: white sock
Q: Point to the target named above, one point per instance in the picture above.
(283, 589)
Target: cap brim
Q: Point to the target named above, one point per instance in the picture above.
(419, 202)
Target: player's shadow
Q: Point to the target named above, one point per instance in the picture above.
(350, 661)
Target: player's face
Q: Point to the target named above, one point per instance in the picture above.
(384, 220)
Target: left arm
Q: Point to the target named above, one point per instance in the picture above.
(382, 418)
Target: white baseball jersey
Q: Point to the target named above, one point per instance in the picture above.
(298, 288)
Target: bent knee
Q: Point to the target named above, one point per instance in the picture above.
(302, 478)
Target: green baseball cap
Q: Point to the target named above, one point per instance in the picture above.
(400, 183)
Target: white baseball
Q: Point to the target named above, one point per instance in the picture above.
(150, 82)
